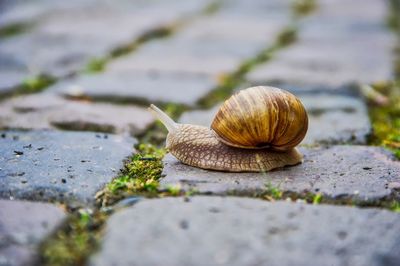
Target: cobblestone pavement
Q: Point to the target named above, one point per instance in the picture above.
(76, 78)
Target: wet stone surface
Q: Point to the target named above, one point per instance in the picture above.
(241, 231)
(334, 48)
(144, 87)
(11, 73)
(66, 167)
(333, 119)
(211, 46)
(358, 172)
(44, 111)
(23, 226)
(9, 80)
(188, 65)
(70, 46)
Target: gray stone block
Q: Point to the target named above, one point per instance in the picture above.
(359, 172)
(44, 111)
(241, 231)
(211, 46)
(73, 33)
(128, 86)
(66, 167)
(257, 8)
(182, 68)
(337, 45)
(23, 226)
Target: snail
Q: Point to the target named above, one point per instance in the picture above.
(255, 130)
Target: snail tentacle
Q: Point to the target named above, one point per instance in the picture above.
(167, 121)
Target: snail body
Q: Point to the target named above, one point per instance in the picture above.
(237, 141)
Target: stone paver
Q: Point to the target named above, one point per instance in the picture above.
(341, 43)
(23, 226)
(57, 47)
(337, 45)
(359, 172)
(187, 65)
(333, 118)
(239, 231)
(44, 111)
(336, 119)
(62, 166)
(9, 80)
(211, 46)
(130, 86)
(19, 12)
(11, 73)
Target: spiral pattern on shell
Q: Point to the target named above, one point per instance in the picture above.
(261, 117)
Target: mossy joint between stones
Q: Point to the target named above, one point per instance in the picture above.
(228, 83)
(75, 240)
(385, 117)
(30, 85)
(14, 29)
(96, 65)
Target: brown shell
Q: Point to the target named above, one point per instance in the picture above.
(261, 117)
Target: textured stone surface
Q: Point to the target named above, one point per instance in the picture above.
(340, 171)
(12, 73)
(257, 8)
(332, 119)
(15, 11)
(210, 46)
(187, 65)
(336, 119)
(239, 231)
(43, 111)
(138, 87)
(9, 80)
(23, 225)
(334, 48)
(66, 36)
(71, 167)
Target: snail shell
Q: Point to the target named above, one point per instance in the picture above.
(245, 147)
(261, 117)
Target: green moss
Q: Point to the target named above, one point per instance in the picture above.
(174, 190)
(212, 8)
(96, 65)
(13, 29)
(395, 206)
(286, 37)
(232, 81)
(393, 19)
(317, 198)
(272, 192)
(140, 176)
(74, 241)
(386, 118)
(157, 33)
(35, 84)
(303, 7)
